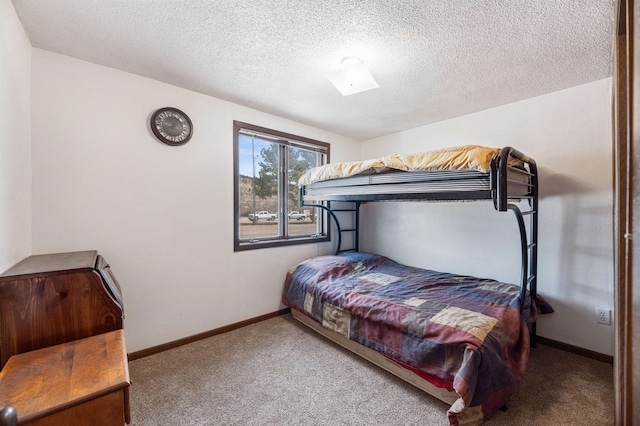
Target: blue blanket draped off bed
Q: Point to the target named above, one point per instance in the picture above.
(460, 333)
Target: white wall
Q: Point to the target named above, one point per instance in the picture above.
(568, 133)
(162, 216)
(15, 139)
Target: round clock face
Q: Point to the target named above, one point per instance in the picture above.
(171, 126)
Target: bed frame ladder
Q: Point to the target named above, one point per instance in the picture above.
(344, 209)
(351, 209)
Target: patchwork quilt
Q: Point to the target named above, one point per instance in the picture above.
(461, 333)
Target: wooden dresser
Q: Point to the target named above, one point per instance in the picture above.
(50, 299)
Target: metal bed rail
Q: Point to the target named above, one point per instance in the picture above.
(528, 240)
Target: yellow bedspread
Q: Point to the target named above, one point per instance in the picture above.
(473, 157)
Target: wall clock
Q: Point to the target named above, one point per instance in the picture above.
(171, 126)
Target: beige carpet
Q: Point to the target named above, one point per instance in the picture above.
(279, 372)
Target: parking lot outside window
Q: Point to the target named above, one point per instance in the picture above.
(267, 166)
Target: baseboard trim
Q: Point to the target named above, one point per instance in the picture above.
(575, 349)
(176, 343)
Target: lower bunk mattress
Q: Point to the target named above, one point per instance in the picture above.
(462, 334)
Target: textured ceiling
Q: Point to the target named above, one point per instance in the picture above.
(433, 59)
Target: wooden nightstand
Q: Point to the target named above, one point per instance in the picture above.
(83, 382)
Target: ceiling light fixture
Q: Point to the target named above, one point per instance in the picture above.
(352, 77)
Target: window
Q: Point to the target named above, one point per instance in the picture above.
(267, 166)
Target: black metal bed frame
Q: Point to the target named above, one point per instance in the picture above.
(502, 201)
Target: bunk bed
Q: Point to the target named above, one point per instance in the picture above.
(462, 339)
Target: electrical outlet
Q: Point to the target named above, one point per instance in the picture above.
(603, 316)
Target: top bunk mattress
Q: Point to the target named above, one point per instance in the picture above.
(464, 172)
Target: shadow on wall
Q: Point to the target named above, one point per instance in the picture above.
(576, 241)
(589, 174)
(552, 184)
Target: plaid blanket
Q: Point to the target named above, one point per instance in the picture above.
(460, 333)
